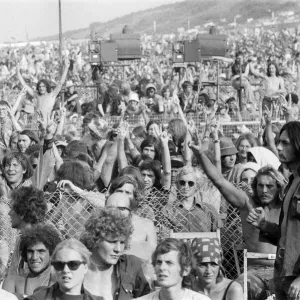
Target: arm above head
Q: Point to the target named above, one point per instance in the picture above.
(234, 196)
(63, 78)
(24, 84)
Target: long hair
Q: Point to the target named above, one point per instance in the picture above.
(293, 128)
(273, 173)
(276, 67)
(46, 83)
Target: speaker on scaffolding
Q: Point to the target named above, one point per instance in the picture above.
(102, 51)
(192, 51)
(212, 45)
(128, 46)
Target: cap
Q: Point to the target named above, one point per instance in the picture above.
(69, 84)
(207, 250)
(227, 146)
(150, 85)
(133, 97)
(61, 143)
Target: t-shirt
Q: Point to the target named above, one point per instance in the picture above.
(59, 295)
(188, 295)
(4, 295)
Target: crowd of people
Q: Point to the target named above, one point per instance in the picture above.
(134, 155)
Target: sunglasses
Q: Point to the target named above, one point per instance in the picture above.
(122, 208)
(183, 183)
(73, 265)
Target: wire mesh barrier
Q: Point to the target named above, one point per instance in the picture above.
(68, 212)
(7, 233)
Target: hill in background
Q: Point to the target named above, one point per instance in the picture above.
(172, 16)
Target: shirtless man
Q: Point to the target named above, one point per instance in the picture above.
(43, 95)
(143, 240)
(274, 86)
(36, 247)
(112, 274)
(267, 185)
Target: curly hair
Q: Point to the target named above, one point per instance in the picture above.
(29, 203)
(187, 170)
(106, 223)
(22, 160)
(170, 244)
(42, 233)
(268, 171)
(46, 83)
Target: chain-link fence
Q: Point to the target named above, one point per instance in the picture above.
(68, 212)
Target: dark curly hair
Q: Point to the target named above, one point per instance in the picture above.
(46, 83)
(104, 223)
(184, 252)
(42, 233)
(21, 159)
(29, 203)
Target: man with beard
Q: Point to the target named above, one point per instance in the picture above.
(27, 209)
(36, 247)
(266, 187)
(286, 269)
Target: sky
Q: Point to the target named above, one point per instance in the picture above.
(37, 18)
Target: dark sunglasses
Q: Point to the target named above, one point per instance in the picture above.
(183, 183)
(122, 208)
(73, 265)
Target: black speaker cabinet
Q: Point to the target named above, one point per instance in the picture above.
(191, 51)
(212, 45)
(109, 52)
(128, 45)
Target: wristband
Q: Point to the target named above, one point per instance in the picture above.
(216, 141)
(206, 137)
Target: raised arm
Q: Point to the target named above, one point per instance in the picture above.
(268, 131)
(24, 84)
(166, 160)
(108, 165)
(17, 103)
(234, 196)
(122, 159)
(63, 78)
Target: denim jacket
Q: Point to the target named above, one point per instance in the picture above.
(131, 279)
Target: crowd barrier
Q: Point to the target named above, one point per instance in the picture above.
(68, 213)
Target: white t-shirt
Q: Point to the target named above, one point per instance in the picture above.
(4, 295)
(188, 295)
